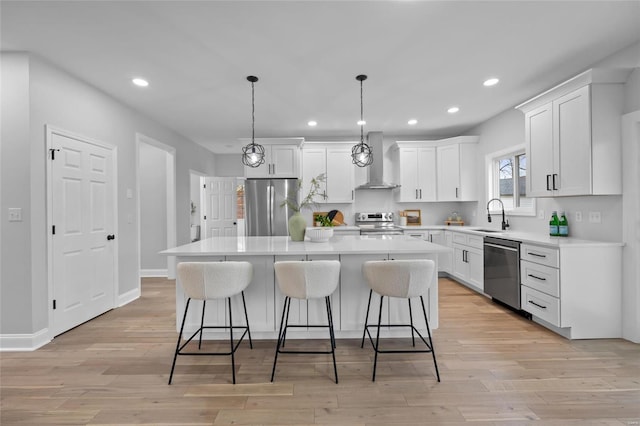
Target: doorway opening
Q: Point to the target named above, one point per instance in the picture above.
(156, 206)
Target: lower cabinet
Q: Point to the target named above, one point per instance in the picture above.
(573, 290)
(468, 259)
(436, 236)
(259, 295)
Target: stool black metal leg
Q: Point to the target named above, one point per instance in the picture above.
(286, 322)
(233, 360)
(375, 358)
(246, 318)
(433, 350)
(275, 359)
(413, 340)
(366, 318)
(175, 355)
(331, 318)
(204, 304)
(332, 337)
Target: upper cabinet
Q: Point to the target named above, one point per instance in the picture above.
(334, 160)
(282, 159)
(572, 135)
(442, 170)
(415, 172)
(456, 165)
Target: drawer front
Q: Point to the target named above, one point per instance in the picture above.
(475, 241)
(459, 238)
(542, 255)
(540, 277)
(541, 305)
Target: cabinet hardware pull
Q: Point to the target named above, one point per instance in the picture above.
(537, 278)
(535, 254)
(554, 181)
(421, 194)
(111, 237)
(548, 188)
(416, 194)
(539, 306)
(456, 192)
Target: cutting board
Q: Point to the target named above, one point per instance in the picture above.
(338, 219)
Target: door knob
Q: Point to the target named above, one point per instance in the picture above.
(111, 237)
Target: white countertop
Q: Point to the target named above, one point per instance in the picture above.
(523, 237)
(338, 244)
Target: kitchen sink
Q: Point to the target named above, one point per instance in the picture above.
(489, 230)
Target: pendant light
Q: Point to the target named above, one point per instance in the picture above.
(253, 153)
(361, 154)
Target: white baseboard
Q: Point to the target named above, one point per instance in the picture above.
(128, 297)
(24, 342)
(148, 273)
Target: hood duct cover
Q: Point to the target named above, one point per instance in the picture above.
(376, 169)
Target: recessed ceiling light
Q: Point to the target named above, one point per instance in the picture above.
(361, 122)
(412, 122)
(453, 110)
(312, 123)
(140, 82)
(491, 82)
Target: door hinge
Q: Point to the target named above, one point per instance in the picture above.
(53, 153)
(205, 218)
(204, 186)
(54, 303)
(53, 230)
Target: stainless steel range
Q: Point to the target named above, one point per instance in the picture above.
(377, 224)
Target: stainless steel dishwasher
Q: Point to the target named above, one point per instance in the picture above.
(502, 270)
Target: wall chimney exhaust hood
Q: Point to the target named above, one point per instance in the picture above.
(375, 169)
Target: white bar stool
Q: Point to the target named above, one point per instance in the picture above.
(403, 279)
(213, 280)
(306, 280)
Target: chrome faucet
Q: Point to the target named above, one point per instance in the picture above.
(505, 223)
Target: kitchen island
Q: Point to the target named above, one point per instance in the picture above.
(264, 300)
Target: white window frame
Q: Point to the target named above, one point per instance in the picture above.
(492, 172)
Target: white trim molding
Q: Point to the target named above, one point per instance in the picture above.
(129, 297)
(24, 342)
(149, 273)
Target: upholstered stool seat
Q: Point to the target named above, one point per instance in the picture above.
(306, 280)
(403, 279)
(207, 281)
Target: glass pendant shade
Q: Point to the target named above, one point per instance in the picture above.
(253, 153)
(361, 154)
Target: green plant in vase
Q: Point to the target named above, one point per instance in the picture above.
(297, 223)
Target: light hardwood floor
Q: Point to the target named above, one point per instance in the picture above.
(496, 369)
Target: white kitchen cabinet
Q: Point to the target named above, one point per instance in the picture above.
(259, 295)
(445, 259)
(335, 163)
(456, 165)
(436, 236)
(468, 259)
(281, 161)
(574, 289)
(572, 135)
(415, 172)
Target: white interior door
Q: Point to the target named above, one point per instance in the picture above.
(221, 214)
(83, 224)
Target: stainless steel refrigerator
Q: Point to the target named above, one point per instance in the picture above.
(264, 215)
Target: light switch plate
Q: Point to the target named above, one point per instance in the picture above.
(594, 217)
(578, 216)
(15, 214)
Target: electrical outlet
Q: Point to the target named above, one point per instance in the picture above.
(540, 214)
(594, 217)
(578, 216)
(15, 214)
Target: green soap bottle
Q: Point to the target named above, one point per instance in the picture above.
(554, 224)
(563, 226)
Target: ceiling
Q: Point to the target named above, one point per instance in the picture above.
(421, 57)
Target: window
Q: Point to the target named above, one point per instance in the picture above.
(508, 182)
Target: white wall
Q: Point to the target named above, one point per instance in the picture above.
(40, 94)
(153, 207)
